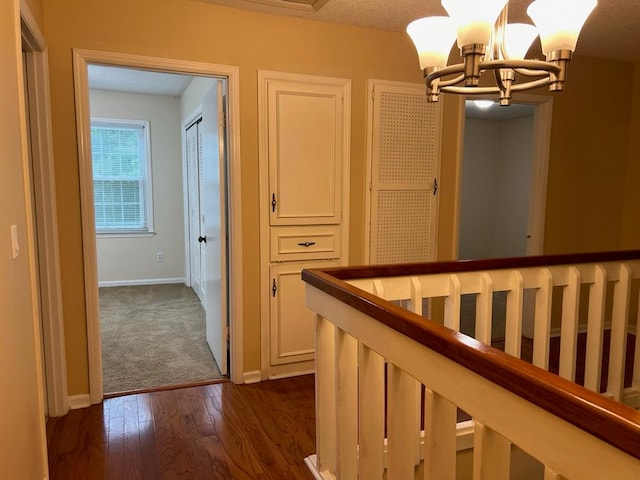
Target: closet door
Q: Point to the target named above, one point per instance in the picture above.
(194, 172)
(404, 157)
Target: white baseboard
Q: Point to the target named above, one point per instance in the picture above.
(582, 328)
(464, 441)
(252, 377)
(144, 281)
(79, 401)
(312, 464)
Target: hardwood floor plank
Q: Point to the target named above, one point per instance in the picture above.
(211, 432)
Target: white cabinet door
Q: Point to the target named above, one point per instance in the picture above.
(292, 325)
(305, 152)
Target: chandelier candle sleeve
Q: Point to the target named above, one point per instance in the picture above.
(488, 43)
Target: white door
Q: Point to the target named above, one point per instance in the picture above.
(404, 158)
(194, 186)
(214, 228)
(305, 128)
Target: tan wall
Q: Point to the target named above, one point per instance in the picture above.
(21, 415)
(588, 158)
(631, 223)
(200, 31)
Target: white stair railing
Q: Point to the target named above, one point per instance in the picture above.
(373, 357)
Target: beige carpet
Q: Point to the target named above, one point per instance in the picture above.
(153, 335)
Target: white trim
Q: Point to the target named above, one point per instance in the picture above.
(79, 401)
(80, 60)
(46, 215)
(254, 376)
(582, 328)
(142, 281)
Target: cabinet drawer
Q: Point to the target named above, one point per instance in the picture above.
(305, 243)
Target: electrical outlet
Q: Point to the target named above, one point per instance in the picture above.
(160, 257)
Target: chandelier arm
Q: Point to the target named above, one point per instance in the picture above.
(453, 81)
(530, 65)
(533, 73)
(487, 90)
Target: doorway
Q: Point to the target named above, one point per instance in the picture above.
(504, 169)
(227, 181)
(154, 329)
(504, 163)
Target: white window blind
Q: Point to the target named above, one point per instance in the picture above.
(121, 176)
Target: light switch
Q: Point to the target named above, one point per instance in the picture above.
(15, 247)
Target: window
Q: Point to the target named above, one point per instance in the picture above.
(121, 176)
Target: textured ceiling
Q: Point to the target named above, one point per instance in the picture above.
(612, 30)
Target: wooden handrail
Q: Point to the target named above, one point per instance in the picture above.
(457, 266)
(606, 419)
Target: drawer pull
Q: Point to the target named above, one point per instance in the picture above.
(306, 244)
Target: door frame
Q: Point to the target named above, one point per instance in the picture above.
(539, 175)
(43, 178)
(81, 59)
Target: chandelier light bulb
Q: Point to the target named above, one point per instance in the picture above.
(433, 38)
(518, 38)
(473, 19)
(559, 22)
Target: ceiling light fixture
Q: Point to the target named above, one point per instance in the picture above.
(488, 43)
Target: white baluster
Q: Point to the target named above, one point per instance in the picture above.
(513, 327)
(371, 414)
(401, 390)
(569, 327)
(542, 325)
(595, 329)
(452, 304)
(491, 454)
(415, 303)
(325, 395)
(484, 309)
(439, 437)
(346, 405)
(619, 320)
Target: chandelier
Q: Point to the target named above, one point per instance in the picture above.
(488, 44)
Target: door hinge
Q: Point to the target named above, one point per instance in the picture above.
(223, 120)
(373, 94)
(274, 288)
(226, 332)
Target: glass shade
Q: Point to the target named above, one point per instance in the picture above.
(559, 22)
(518, 38)
(474, 19)
(433, 38)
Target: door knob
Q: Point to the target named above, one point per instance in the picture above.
(202, 239)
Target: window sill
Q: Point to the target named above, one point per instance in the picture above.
(125, 234)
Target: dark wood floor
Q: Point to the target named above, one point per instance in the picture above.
(221, 431)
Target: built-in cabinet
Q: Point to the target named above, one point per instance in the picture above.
(304, 175)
